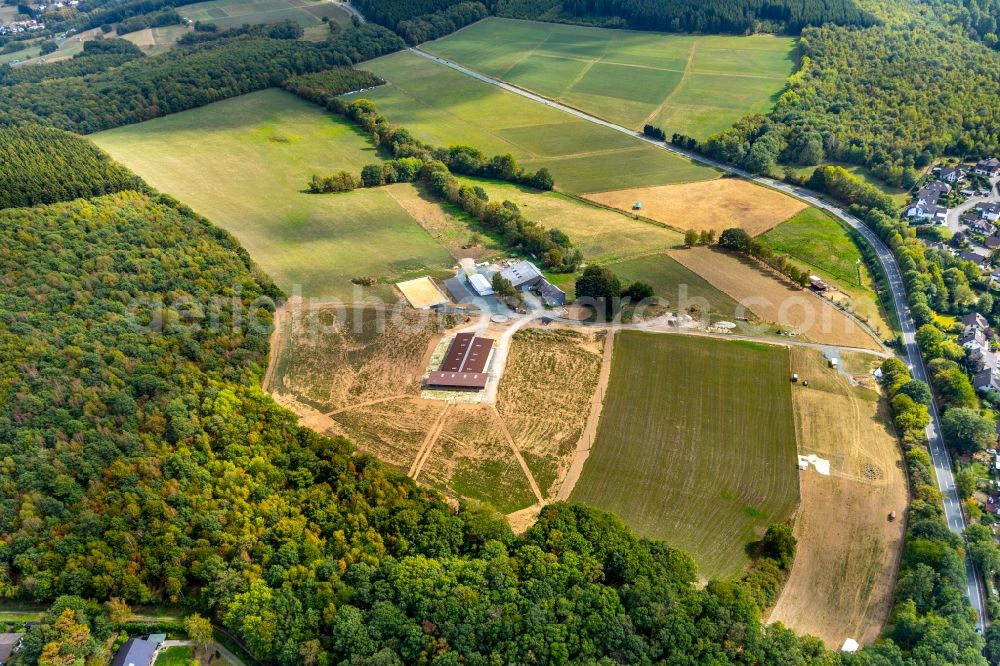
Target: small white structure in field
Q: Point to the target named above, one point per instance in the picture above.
(822, 465)
(834, 362)
(850, 645)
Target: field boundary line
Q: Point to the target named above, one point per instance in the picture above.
(640, 218)
(589, 434)
(425, 449)
(680, 84)
(517, 455)
(368, 403)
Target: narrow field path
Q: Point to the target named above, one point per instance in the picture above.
(680, 84)
(368, 403)
(517, 455)
(586, 441)
(425, 449)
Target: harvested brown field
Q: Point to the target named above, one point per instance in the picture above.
(545, 397)
(471, 458)
(776, 301)
(392, 431)
(710, 204)
(841, 584)
(331, 359)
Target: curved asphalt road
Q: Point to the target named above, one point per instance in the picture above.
(939, 454)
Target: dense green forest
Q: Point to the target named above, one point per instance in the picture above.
(46, 165)
(884, 97)
(441, 23)
(183, 79)
(709, 16)
(98, 55)
(977, 18)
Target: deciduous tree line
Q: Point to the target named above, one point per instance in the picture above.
(714, 16)
(931, 622)
(183, 79)
(889, 99)
(98, 55)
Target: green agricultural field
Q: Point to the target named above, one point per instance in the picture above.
(446, 108)
(67, 49)
(244, 162)
(672, 282)
(695, 85)
(818, 241)
(234, 13)
(696, 444)
(815, 238)
(601, 234)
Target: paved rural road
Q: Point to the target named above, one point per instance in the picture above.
(939, 454)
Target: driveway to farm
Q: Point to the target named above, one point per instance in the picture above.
(939, 454)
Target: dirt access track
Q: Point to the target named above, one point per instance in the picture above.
(775, 300)
(712, 204)
(841, 584)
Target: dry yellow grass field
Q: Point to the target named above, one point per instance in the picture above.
(776, 301)
(841, 584)
(332, 358)
(711, 204)
(392, 431)
(545, 395)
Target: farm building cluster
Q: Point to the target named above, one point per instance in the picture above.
(524, 276)
(466, 365)
(473, 284)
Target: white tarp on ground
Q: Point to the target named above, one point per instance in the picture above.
(822, 466)
(850, 645)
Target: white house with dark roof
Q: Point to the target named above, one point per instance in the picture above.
(988, 167)
(987, 380)
(989, 211)
(927, 213)
(953, 174)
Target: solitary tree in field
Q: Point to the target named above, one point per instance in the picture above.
(601, 285)
(690, 237)
(736, 239)
(779, 544)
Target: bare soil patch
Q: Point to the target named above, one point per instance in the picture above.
(711, 204)
(841, 584)
(775, 300)
(545, 397)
